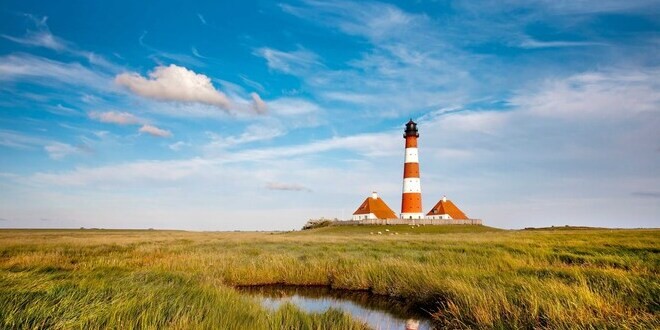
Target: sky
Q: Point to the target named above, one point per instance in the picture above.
(259, 115)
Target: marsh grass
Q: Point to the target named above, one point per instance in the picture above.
(468, 276)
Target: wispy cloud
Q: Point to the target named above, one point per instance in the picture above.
(646, 194)
(42, 37)
(178, 145)
(374, 20)
(140, 171)
(155, 131)
(55, 150)
(58, 150)
(202, 19)
(581, 7)
(13, 139)
(533, 43)
(252, 83)
(366, 145)
(287, 106)
(286, 186)
(44, 71)
(259, 106)
(408, 65)
(196, 53)
(594, 95)
(63, 110)
(163, 58)
(126, 118)
(293, 62)
(253, 133)
(116, 117)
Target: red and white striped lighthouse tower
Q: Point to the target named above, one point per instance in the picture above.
(411, 201)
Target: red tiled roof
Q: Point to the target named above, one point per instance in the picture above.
(447, 207)
(376, 206)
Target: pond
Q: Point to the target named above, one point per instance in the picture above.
(379, 312)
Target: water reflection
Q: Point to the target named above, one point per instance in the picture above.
(378, 312)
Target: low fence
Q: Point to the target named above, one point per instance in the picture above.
(407, 222)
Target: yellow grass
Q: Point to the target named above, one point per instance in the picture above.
(469, 278)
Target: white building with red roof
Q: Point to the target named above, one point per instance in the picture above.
(373, 208)
(445, 209)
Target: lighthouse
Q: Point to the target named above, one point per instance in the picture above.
(411, 200)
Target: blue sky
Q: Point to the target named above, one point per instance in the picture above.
(258, 115)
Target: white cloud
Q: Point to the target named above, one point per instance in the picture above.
(174, 83)
(58, 150)
(155, 131)
(116, 117)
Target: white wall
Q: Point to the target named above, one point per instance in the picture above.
(364, 216)
(412, 216)
(439, 216)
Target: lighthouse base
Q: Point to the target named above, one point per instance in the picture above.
(412, 216)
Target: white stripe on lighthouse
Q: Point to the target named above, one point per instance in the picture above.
(411, 155)
(412, 215)
(411, 185)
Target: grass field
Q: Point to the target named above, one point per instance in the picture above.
(473, 277)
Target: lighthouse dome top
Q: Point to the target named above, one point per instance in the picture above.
(411, 129)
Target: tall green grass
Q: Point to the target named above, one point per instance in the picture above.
(469, 276)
